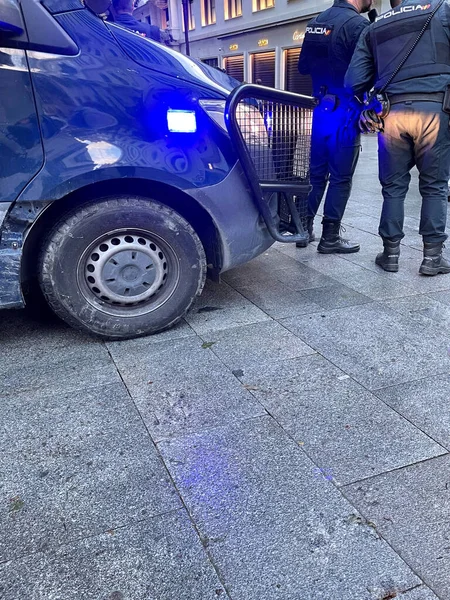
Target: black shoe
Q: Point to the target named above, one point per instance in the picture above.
(331, 241)
(388, 259)
(433, 262)
(309, 228)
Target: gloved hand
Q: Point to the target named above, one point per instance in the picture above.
(370, 122)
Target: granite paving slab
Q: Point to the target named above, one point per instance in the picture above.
(410, 508)
(48, 421)
(259, 344)
(181, 385)
(424, 308)
(222, 307)
(441, 296)
(375, 345)
(340, 425)
(79, 486)
(273, 527)
(421, 592)
(56, 369)
(157, 559)
(425, 403)
(336, 296)
(279, 301)
(20, 329)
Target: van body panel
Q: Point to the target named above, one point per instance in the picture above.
(20, 140)
(96, 117)
(57, 6)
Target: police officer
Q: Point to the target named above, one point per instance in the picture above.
(416, 130)
(330, 40)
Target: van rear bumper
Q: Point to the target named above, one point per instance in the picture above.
(241, 228)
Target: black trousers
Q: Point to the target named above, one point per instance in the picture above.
(335, 148)
(416, 134)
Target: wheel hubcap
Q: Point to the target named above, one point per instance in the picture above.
(125, 269)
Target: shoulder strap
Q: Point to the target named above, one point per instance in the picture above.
(411, 50)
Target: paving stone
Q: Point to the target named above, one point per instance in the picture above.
(411, 509)
(336, 296)
(272, 526)
(340, 425)
(259, 344)
(48, 422)
(157, 559)
(221, 307)
(182, 386)
(363, 222)
(20, 329)
(179, 331)
(443, 297)
(56, 369)
(422, 592)
(279, 301)
(300, 277)
(277, 266)
(378, 285)
(422, 308)
(425, 403)
(75, 487)
(375, 345)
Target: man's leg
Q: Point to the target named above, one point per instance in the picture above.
(395, 160)
(433, 161)
(318, 176)
(343, 160)
(319, 162)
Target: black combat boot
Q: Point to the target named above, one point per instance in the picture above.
(433, 262)
(388, 259)
(309, 228)
(331, 241)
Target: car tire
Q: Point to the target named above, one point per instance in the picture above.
(122, 268)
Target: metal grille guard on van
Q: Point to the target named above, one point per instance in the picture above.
(271, 132)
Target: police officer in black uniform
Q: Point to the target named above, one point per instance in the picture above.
(416, 130)
(330, 40)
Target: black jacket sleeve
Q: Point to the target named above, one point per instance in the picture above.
(360, 75)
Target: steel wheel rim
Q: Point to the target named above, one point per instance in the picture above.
(128, 272)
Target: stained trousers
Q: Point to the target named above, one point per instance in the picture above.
(415, 134)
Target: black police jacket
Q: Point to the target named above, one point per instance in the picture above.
(382, 47)
(330, 40)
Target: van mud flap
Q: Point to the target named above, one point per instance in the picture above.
(271, 133)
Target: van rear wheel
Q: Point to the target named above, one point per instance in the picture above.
(121, 268)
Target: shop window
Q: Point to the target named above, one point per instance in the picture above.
(212, 62)
(233, 8)
(263, 68)
(234, 66)
(293, 80)
(208, 12)
(190, 17)
(262, 4)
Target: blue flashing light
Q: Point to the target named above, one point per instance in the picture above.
(181, 121)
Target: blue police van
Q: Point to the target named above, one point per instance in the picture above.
(120, 186)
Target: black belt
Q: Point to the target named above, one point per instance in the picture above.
(432, 97)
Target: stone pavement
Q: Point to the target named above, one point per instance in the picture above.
(289, 441)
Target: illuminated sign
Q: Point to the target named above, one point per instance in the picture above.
(298, 36)
(263, 43)
(234, 46)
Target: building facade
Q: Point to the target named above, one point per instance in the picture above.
(255, 41)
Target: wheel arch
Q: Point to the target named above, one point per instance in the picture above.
(200, 220)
